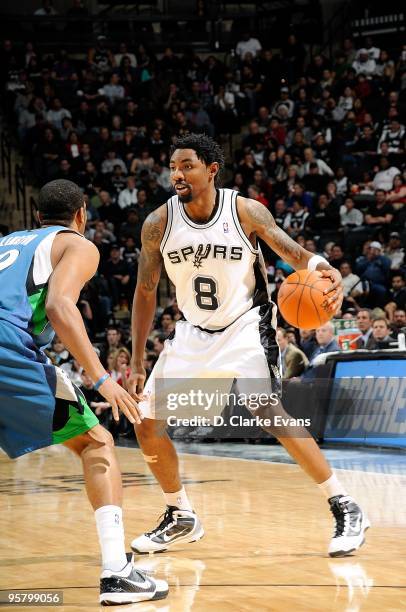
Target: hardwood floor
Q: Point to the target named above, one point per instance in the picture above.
(267, 531)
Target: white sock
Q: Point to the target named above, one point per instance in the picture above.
(178, 499)
(332, 487)
(109, 522)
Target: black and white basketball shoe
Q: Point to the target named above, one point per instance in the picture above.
(130, 585)
(176, 527)
(350, 526)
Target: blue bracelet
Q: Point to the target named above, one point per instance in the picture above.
(101, 380)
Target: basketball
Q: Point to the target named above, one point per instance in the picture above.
(301, 300)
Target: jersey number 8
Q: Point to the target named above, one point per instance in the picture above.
(205, 289)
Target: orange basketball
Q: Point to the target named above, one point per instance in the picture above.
(301, 300)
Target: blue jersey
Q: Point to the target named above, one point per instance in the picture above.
(25, 268)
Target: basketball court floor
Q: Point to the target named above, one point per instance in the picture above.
(267, 530)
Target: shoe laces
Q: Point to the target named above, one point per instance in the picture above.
(341, 515)
(168, 521)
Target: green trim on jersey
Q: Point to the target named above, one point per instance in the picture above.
(39, 319)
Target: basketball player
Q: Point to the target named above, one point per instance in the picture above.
(42, 272)
(207, 239)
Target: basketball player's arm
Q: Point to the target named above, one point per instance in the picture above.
(256, 219)
(144, 304)
(76, 263)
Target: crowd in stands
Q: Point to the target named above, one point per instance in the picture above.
(320, 143)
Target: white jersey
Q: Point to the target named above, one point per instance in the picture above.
(212, 265)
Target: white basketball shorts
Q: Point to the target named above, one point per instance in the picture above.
(247, 349)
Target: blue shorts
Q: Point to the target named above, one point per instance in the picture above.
(39, 405)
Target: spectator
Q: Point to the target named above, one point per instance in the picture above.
(363, 64)
(323, 168)
(123, 53)
(280, 213)
(128, 197)
(380, 213)
(397, 195)
(397, 295)
(113, 91)
(112, 160)
(143, 207)
(130, 253)
(131, 228)
(162, 175)
(384, 178)
(248, 44)
(350, 216)
(117, 274)
(374, 268)
(121, 365)
(113, 341)
(380, 334)
(325, 341)
(295, 221)
(337, 256)
(294, 361)
(117, 182)
(165, 324)
(100, 227)
(144, 162)
(394, 251)
(325, 216)
(93, 398)
(58, 353)
(159, 343)
(57, 114)
(255, 194)
(398, 324)
(351, 282)
(308, 342)
(284, 101)
(100, 57)
(394, 136)
(364, 324)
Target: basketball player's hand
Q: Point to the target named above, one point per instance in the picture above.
(120, 399)
(135, 382)
(335, 294)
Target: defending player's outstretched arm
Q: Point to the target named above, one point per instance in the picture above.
(75, 261)
(256, 220)
(144, 305)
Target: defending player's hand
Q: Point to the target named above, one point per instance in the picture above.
(120, 399)
(135, 382)
(335, 294)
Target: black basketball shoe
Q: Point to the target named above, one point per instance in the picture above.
(350, 527)
(176, 527)
(130, 585)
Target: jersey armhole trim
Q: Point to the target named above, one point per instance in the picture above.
(168, 226)
(237, 223)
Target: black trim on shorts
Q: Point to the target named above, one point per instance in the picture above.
(267, 334)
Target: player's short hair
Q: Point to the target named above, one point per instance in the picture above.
(58, 202)
(206, 148)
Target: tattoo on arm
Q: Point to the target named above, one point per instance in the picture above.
(265, 227)
(150, 264)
